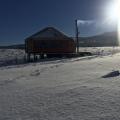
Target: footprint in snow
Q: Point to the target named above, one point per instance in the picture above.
(35, 73)
(5, 82)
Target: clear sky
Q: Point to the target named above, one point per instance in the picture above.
(21, 18)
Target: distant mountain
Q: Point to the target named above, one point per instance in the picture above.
(103, 40)
(18, 46)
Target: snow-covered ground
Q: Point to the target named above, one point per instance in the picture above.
(11, 56)
(101, 50)
(66, 89)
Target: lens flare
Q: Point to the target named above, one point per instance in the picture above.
(113, 15)
(113, 11)
(118, 21)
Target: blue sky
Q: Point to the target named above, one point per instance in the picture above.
(21, 18)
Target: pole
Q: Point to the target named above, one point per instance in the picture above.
(77, 40)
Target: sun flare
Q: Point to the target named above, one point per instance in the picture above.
(113, 15)
(113, 10)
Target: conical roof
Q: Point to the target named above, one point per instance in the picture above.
(49, 32)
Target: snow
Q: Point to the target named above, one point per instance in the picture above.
(65, 89)
(11, 56)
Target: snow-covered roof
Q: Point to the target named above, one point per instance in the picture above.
(49, 32)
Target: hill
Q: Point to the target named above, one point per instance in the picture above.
(17, 46)
(67, 89)
(106, 39)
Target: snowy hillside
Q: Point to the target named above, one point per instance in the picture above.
(17, 56)
(66, 89)
(11, 56)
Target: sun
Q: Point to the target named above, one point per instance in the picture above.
(113, 11)
(113, 15)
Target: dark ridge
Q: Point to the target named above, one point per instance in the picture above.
(18, 46)
(104, 40)
(108, 39)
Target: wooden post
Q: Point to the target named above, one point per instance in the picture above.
(34, 57)
(39, 56)
(28, 57)
(42, 56)
(77, 33)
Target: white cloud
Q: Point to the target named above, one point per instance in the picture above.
(85, 22)
(98, 24)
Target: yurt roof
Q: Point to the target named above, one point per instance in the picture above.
(49, 32)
